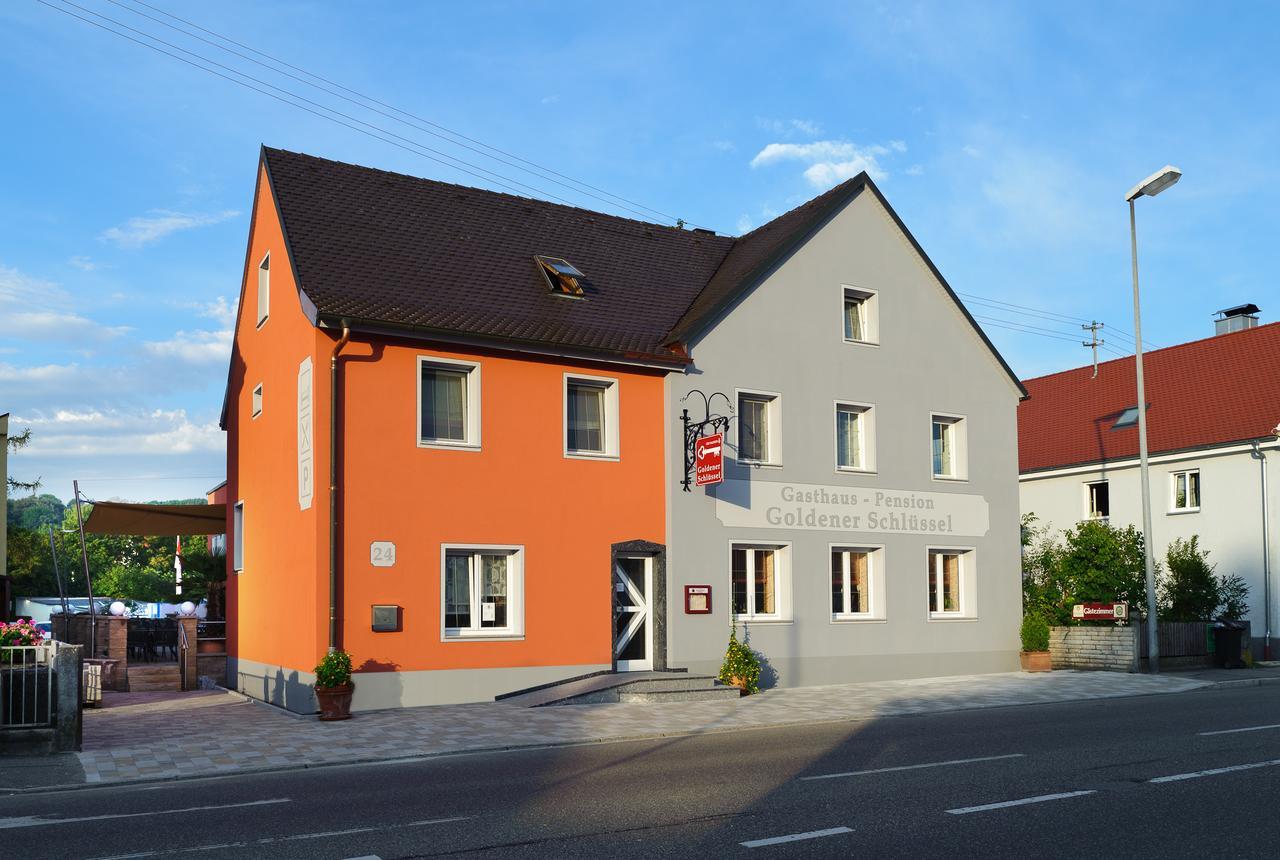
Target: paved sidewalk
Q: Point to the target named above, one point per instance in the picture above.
(216, 732)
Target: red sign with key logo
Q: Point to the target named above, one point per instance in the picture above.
(708, 460)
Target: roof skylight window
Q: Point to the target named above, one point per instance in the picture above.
(1127, 418)
(562, 277)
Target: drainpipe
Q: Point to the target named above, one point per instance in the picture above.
(1266, 549)
(333, 485)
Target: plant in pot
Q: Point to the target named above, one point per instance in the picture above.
(1035, 643)
(333, 686)
(741, 667)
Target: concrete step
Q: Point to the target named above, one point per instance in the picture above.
(706, 694)
(152, 678)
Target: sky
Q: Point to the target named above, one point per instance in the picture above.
(1006, 135)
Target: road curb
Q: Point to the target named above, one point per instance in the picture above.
(1242, 682)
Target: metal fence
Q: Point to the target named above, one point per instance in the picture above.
(27, 697)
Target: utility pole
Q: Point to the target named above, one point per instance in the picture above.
(1093, 343)
(62, 592)
(84, 555)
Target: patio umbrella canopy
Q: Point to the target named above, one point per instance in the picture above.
(124, 518)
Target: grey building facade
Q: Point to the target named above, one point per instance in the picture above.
(867, 527)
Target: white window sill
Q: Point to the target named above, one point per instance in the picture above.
(948, 479)
(441, 445)
(759, 464)
(757, 619)
(951, 616)
(587, 455)
(858, 619)
(853, 342)
(1181, 511)
(502, 636)
(853, 470)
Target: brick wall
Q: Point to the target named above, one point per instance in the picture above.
(1112, 648)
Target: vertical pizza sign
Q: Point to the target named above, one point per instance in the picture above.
(708, 460)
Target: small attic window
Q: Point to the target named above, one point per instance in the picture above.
(562, 276)
(1127, 418)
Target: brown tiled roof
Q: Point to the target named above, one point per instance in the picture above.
(1207, 392)
(383, 248)
(379, 247)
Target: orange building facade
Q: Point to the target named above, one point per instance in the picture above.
(529, 525)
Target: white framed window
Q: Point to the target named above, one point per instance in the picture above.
(1184, 491)
(256, 401)
(859, 316)
(1097, 500)
(237, 536)
(760, 580)
(857, 583)
(951, 582)
(264, 289)
(448, 403)
(759, 428)
(949, 447)
(591, 417)
(855, 437)
(481, 591)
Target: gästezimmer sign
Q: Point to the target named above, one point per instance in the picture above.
(769, 505)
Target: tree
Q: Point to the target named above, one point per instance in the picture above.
(1045, 590)
(1234, 595)
(36, 512)
(1103, 563)
(1189, 591)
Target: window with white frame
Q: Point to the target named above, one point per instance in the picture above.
(482, 592)
(256, 409)
(951, 592)
(949, 444)
(859, 316)
(448, 403)
(759, 428)
(1097, 498)
(1186, 490)
(857, 583)
(855, 437)
(264, 289)
(237, 537)
(760, 582)
(590, 416)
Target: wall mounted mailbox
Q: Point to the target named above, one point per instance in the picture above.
(697, 600)
(386, 619)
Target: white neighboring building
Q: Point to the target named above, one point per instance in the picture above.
(1213, 407)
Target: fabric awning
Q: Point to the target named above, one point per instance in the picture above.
(125, 518)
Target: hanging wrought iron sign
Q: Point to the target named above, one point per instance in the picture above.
(696, 442)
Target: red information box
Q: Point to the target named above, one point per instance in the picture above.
(697, 600)
(708, 460)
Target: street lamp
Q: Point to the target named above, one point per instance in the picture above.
(1149, 187)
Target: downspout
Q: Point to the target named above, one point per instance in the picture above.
(333, 485)
(1266, 549)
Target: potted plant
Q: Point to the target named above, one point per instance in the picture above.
(1035, 643)
(741, 667)
(333, 686)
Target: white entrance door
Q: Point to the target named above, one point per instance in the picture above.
(633, 627)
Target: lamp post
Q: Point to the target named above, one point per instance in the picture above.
(1149, 187)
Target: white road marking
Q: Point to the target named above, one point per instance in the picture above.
(222, 846)
(914, 766)
(41, 821)
(1178, 777)
(1042, 798)
(1234, 731)
(795, 837)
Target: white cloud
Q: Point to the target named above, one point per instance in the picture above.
(914, 170)
(219, 310)
(85, 264)
(194, 347)
(35, 310)
(744, 225)
(831, 161)
(723, 145)
(789, 127)
(971, 151)
(103, 432)
(145, 229)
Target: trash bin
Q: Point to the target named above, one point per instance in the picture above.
(1228, 642)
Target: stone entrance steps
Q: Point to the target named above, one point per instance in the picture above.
(154, 677)
(624, 687)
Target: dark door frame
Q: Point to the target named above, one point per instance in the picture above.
(657, 599)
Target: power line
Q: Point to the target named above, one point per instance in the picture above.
(448, 135)
(408, 144)
(988, 321)
(369, 98)
(1028, 327)
(1037, 311)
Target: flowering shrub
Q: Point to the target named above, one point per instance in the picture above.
(741, 667)
(20, 633)
(334, 670)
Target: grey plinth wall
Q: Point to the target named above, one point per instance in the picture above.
(1114, 649)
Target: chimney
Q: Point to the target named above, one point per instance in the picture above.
(1238, 318)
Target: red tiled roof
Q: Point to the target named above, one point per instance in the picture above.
(1208, 392)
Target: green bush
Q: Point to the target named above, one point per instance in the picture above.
(1035, 632)
(740, 662)
(1233, 596)
(1188, 589)
(334, 670)
(1103, 563)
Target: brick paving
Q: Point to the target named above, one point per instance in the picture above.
(212, 732)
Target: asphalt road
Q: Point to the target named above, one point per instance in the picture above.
(1088, 778)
